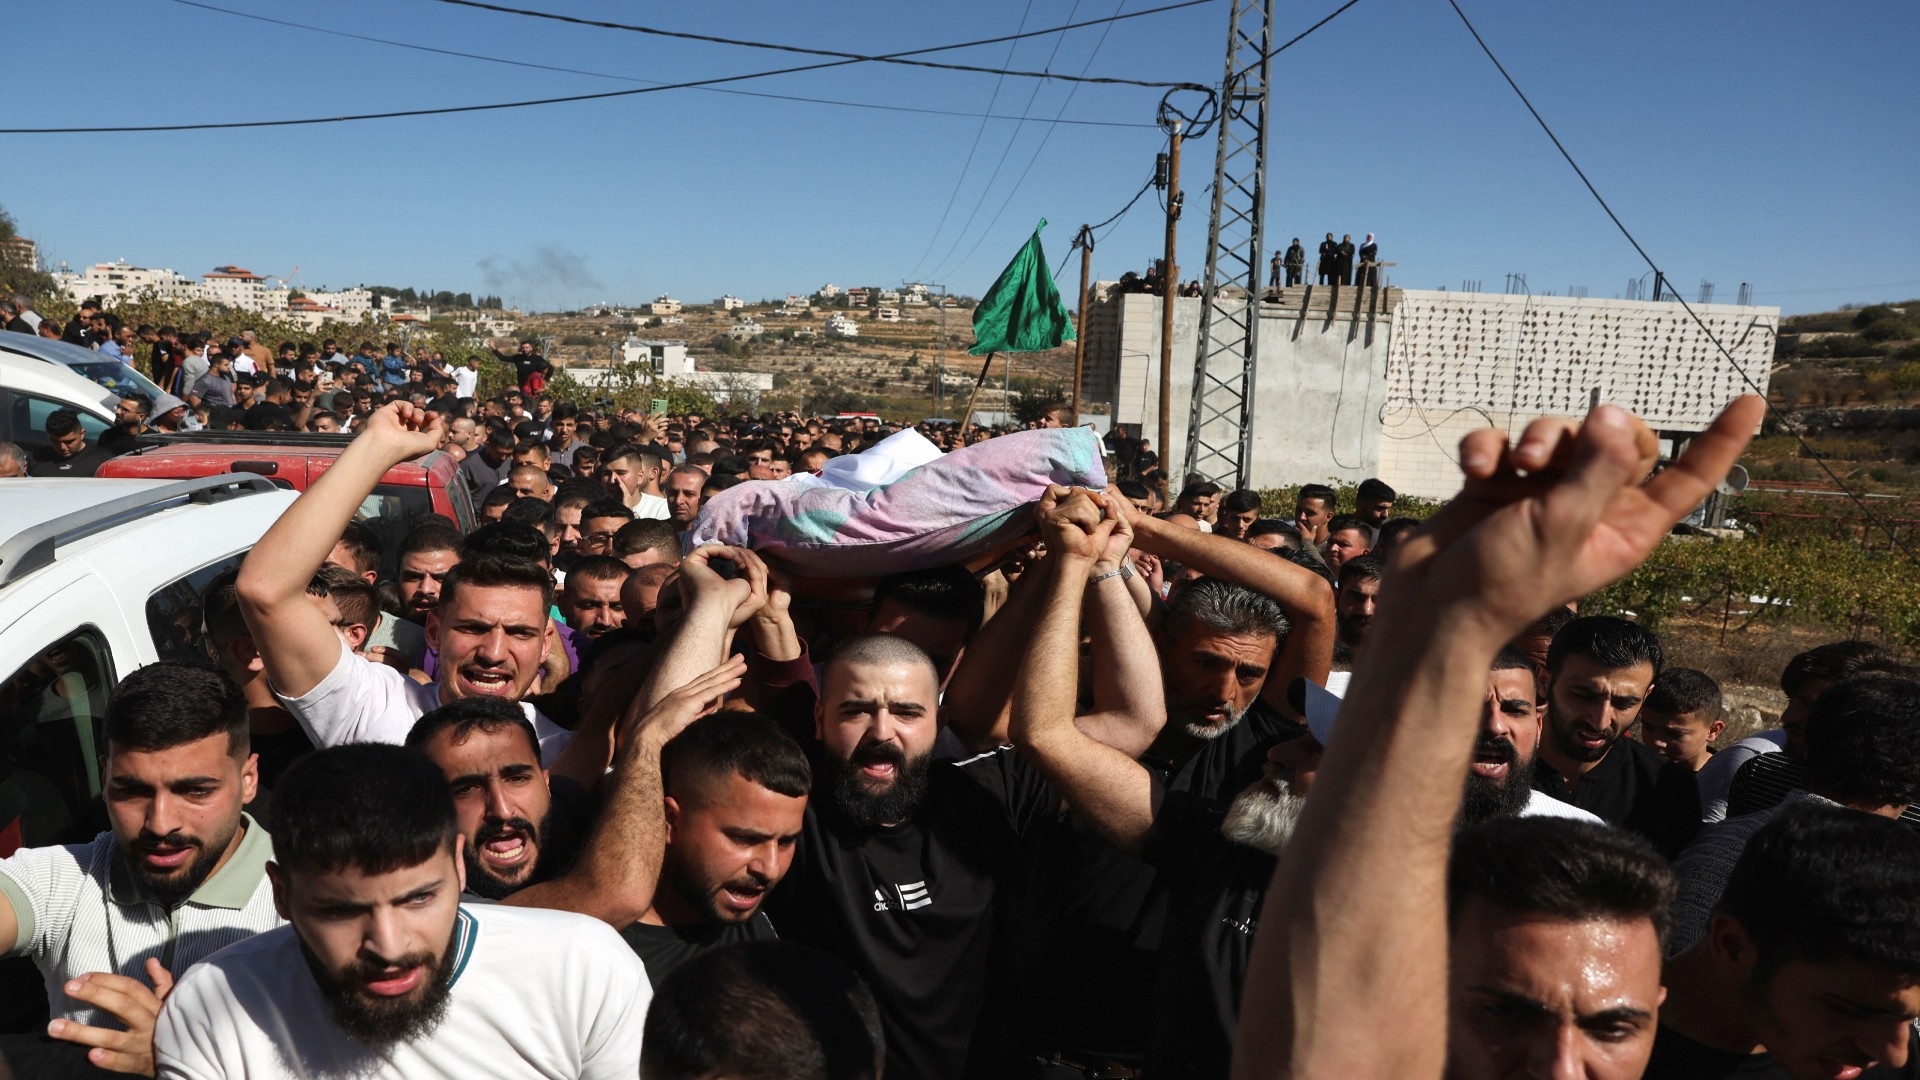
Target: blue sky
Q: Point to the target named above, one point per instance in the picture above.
(1742, 140)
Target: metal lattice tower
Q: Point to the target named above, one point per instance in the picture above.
(1220, 423)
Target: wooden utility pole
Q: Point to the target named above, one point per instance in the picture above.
(1169, 289)
(1080, 332)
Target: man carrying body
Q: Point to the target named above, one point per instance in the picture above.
(181, 874)
(383, 971)
(490, 630)
(1217, 856)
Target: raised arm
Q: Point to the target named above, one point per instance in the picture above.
(1302, 594)
(295, 641)
(1353, 936)
(1129, 700)
(978, 698)
(619, 868)
(716, 606)
(1104, 786)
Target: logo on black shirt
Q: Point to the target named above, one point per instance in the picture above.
(905, 898)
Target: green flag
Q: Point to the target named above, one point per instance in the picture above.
(1023, 311)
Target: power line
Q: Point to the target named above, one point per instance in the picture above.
(1038, 147)
(971, 150)
(1805, 448)
(942, 270)
(1196, 126)
(891, 58)
(983, 117)
(448, 110)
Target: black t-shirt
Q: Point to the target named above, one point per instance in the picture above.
(913, 907)
(1216, 770)
(1218, 887)
(1084, 946)
(1677, 1057)
(1635, 788)
(663, 948)
(44, 462)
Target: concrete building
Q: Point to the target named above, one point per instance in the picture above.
(729, 303)
(839, 326)
(796, 304)
(22, 252)
(352, 304)
(238, 288)
(670, 360)
(117, 280)
(745, 330)
(664, 305)
(1352, 383)
(829, 291)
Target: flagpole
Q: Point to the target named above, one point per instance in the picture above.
(975, 396)
(1085, 240)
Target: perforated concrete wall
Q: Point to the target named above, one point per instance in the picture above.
(1457, 361)
(1351, 386)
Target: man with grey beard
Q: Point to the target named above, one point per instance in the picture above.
(1217, 861)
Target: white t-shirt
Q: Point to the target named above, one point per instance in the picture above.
(465, 381)
(650, 506)
(535, 994)
(1541, 804)
(244, 364)
(361, 701)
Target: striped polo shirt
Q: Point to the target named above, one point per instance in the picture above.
(80, 909)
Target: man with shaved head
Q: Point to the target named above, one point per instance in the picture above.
(530, 482)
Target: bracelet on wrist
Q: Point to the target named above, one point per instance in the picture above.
(1125, 572)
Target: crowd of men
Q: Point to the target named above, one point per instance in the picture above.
(566, 798)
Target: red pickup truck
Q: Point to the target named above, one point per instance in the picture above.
(430, 484)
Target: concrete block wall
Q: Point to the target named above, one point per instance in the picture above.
(1464, 360)
(1362, 384)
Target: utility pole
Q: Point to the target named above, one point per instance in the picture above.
(1169, 289)
(1085, 241)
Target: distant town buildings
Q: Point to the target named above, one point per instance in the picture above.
(745, 330)
(829, 291)
(670, 360)
(840, 326)
(729, 303)
(23, 251)
(232, 286)
(664, 305)
(796, 304)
